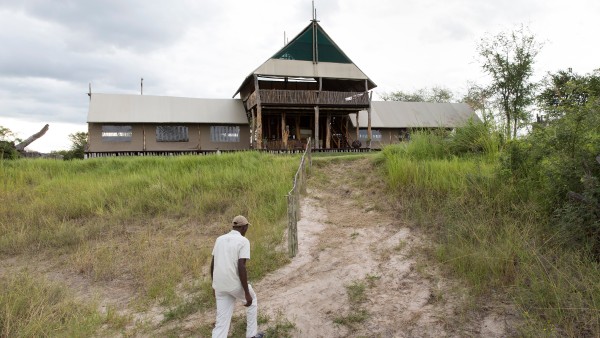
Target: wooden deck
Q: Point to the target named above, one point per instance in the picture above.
(309, 98)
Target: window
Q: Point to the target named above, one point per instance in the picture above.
(117, 133)
(225, 134)
(375, 135)
(172, 134)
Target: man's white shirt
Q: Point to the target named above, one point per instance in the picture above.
(228, 249)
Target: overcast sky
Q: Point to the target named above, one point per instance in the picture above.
(51, 50)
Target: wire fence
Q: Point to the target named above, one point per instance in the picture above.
(293, 198)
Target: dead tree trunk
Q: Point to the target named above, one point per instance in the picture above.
(21, 146)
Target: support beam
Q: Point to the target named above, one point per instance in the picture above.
(328, 132)
(369, 133)
(298, 134)
(285, 132)
(259, 136)
(357, 126)
(253, 130)
(316, 127)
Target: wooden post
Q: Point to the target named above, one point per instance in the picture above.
(285, 132)
(298, 134)
(328, 131)
(292, 237)
(259, 144)
(357, 125)
(316, 127)
(253, 130)
(369, 133)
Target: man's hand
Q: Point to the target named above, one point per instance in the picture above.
(248, 299)
(244, 280)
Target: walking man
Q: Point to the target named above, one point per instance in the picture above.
(230, 279)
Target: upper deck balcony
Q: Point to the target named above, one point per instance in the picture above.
(279, 97)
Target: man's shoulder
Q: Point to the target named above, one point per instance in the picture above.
(233, 235)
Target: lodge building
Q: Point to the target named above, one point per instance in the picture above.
(307, 90)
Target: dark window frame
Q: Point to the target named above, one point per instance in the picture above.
(229, 134)
(117, 133)
(172, 133)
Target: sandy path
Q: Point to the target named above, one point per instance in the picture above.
(349, 234)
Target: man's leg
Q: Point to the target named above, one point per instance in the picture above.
(225, 305)
(251, 311)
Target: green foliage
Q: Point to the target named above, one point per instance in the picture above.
(8, 151)
(494, 229)
(498, 226)
(479, 99)
(7, 144)
(78, 147)
(433, 94)
(558, 158)
(508, 58)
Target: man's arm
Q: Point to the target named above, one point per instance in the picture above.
(244, 280)
(212, 269)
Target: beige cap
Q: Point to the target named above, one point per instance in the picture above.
(240, 221)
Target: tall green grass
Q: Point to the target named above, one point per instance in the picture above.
(493, 235)
(150, 221)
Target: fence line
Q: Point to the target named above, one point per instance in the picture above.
(293, 199)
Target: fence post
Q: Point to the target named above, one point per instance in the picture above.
(293, 201)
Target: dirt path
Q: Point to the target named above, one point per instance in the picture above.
(350, 240)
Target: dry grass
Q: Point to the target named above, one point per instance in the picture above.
(142, 228)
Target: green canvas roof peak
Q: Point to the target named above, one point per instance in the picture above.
(311, 54)
(312, 44)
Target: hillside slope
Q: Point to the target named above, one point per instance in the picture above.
(362, 272)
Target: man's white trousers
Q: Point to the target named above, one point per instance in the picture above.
(226, 303)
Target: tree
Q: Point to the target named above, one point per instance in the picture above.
(433, 94)
(478, 98)
(508, 58)
(563, 159)
(565, 89)
(78, 145)
(7, 144)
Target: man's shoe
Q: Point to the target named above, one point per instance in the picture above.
(259, 335)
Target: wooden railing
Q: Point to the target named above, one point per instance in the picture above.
(293, 199)
(344, 98)
(309, 97)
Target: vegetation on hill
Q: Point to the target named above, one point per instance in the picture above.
(517, 220)
(147, 223)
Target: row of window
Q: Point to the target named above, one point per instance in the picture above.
(375, 135)
(123, 133)
(180, 134)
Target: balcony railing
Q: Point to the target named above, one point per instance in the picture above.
(309, 97)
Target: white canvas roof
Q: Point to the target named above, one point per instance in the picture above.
(396, 114)
(299, 68)
(118, 108)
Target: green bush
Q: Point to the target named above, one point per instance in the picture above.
(8, 151)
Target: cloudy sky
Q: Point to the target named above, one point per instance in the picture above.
(51, 50)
